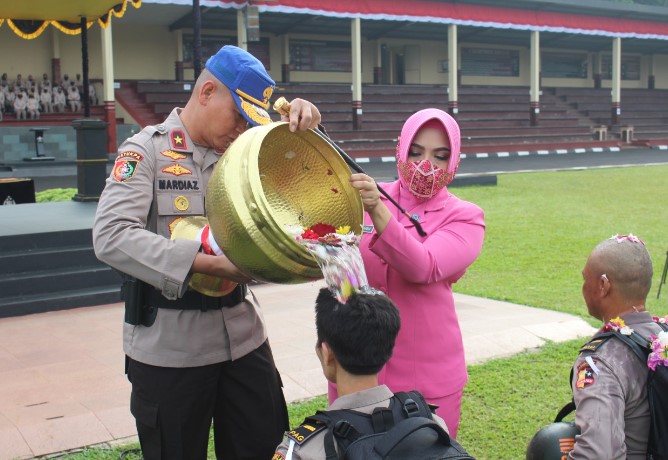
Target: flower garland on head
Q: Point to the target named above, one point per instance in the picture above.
(630, 237)
(617, 324)
(659, 346)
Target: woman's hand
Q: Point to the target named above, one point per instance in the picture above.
(303, 115)
(368, 190)
(376, 209)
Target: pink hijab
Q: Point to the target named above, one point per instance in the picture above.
(417, 121)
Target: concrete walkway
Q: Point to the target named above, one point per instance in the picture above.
(62, 385)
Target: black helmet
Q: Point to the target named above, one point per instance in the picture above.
(553, 442)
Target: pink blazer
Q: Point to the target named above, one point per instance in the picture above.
(417, 274)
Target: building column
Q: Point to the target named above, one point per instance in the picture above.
(453, 71)
(616, 79)
(178, 64)
(378, 69)
(108, 87)
(285, 64)
(596, 70)
(242, 38)
(650, 77)
(55, 60)
(534, 99)
(356, 41)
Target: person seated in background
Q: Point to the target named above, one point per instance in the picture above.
(19, 82)
(74, 98)
(45, 83)
(45, 99)
(30, 84)
(4, 80)
(79, 82)
(33, 107)
(10, 97)
(20, 106)
(58, 100)
(92, 95)
(354, 341)
(65, 83)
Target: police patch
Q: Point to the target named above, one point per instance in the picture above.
(176, 169)
(125, 166)
(585, 376)
(173, 155)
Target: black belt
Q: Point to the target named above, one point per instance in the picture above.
(193, 300)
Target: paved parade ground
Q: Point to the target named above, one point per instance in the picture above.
(62, 384)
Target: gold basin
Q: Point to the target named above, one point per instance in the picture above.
(270, 178)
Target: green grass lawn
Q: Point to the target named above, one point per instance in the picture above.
(540, 229)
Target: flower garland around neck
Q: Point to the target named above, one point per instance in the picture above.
(659, 346)
(617, 324)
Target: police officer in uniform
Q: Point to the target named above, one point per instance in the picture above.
(192, 358)
(609, 381)
(355, 340)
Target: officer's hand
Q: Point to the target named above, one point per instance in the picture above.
(219, 266)
(303, 115)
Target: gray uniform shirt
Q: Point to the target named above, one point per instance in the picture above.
(612, 411)
(363, 401)
(159, 177)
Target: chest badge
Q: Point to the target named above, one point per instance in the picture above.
(176, 170)
(181, 203)
(367, 229)
(173, 155)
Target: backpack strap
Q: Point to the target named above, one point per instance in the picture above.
(401, 431)
(344, 425)
(636, 342)
(414, 404)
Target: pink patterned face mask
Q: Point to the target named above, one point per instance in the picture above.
(423, 178)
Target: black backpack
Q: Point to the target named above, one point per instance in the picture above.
(657, 393)
(405, 430)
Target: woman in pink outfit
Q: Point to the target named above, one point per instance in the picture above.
(417, 272)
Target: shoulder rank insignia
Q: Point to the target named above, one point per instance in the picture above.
(307, 429)
(176, 169)
(594, 344)
(125, 166)
(278, 456)
(174, 155)
(178, 139)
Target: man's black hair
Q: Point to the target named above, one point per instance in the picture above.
(361, 332)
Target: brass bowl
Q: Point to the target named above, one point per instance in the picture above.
(189, 228)
(268, 179)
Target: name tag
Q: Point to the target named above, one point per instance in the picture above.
(367, 229)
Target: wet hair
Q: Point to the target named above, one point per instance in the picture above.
(627, 264)
(361, 332)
